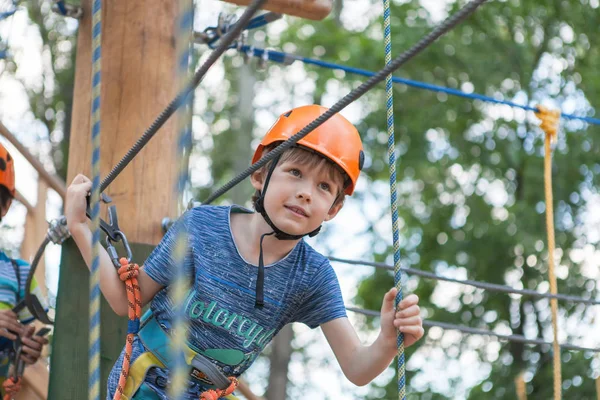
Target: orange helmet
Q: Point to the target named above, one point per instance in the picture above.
(7, 170)
(337, 139)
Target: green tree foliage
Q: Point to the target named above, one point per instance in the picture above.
(470, 175)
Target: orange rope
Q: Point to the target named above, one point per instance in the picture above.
(217, 394)
(11, 387)
(549, 124)
(129, 273)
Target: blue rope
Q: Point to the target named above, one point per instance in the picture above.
(286, 58)
(62, 8)
(6, 14)
(94, 339)
(180, 286)
(389, 91)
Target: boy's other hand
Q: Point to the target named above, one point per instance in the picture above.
(407, 319)
(76, 202)
(9, 324)
(32, 346)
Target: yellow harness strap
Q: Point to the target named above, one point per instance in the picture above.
(139, 369)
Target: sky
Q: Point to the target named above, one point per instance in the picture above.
(345, 228)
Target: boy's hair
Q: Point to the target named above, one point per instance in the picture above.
(5, 196)
(312, 160)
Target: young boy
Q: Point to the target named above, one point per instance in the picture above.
(252, 272)
(13, 276)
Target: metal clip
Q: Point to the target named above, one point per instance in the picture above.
(58, 231)
(264, 58)
(68, 10)
(112, 251)
(248, 54)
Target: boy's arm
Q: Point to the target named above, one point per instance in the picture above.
(110, 284)
(361, 364)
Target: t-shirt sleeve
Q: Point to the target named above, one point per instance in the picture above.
(324, 301)
(160, 265)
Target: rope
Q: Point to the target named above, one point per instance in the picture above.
(128, 273)
(481, 285)
(67, 10)
(180, 285)
(11, 387)
(521, 387)
(216, 394)
(483, 332)
(549, 125)
(94, 337)
(598, 388)
(287, 58)
(391, 149)
(355, 94)
(229, 37)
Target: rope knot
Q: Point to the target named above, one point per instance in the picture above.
(550, 120)
(11, 387)
(213, 394)
(128, 270)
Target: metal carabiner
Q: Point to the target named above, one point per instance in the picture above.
(112, 251)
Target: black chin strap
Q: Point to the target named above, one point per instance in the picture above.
(279, 234)
(260, 279)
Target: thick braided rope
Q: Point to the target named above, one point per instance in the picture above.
(391, 148)
(355, 94)
(180, 286)
(11, 387)
(94, 338)
(520, 387)
(216, 394)
(128, 273)
(549, 124)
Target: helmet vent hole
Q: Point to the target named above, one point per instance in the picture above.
(2, 164)
(287, 114)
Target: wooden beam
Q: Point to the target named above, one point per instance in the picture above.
(35, 232)
(138, 81)
(53, 181)
(309, 9)
(21, 199)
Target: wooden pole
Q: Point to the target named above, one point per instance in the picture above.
(55, 183)
(35, 232)
(138, 75)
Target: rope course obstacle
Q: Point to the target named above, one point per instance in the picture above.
(225, 38)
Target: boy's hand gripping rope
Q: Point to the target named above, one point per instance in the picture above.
(128, 272)
(550, 120)
(393, 193)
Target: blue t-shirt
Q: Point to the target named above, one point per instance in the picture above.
(224, 323)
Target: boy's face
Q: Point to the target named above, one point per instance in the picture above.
(299, 198)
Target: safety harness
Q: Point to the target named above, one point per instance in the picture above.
(12, 384)
(154, 337)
